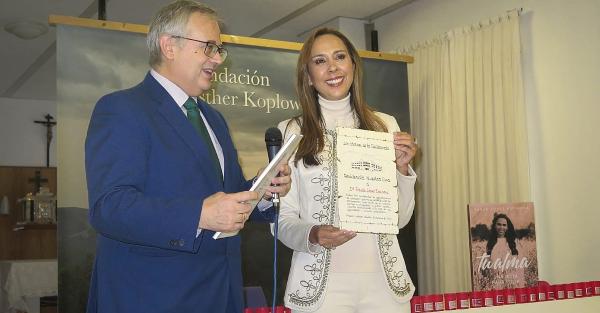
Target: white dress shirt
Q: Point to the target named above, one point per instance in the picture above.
(180, 98)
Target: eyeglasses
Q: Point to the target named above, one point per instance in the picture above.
(210, 48)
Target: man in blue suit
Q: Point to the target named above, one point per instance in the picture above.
(163, 176)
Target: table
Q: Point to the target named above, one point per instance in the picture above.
(24, 282)
(577, 305)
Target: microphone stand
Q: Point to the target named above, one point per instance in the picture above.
(276, 204)
(273, 141)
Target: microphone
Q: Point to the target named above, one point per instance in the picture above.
(273, 141)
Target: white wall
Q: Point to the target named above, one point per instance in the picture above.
(23, 142)
(561, 72)
(352, 28)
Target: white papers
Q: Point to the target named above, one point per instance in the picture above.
(366, 181)
(264, 179)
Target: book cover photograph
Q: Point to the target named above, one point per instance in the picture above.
(503, 246)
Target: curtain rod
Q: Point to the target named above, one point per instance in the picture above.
(519, 10)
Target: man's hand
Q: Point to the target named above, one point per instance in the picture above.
(226, 212)
(280, 184)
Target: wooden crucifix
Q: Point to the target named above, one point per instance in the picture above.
(48, 123)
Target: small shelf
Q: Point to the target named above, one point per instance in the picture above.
(34, 226)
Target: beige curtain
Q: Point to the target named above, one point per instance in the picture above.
(467, 112)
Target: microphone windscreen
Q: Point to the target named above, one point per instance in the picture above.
(273, 136)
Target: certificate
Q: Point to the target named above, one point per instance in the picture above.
(366, 181)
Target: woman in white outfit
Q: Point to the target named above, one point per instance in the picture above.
(336, 270)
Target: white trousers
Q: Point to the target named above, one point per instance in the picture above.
(359, 293)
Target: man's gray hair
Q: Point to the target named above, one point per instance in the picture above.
(172, 19)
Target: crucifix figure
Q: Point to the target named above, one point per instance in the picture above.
(48, 123)
(38, 180)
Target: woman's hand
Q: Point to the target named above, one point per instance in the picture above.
(405, 146)
(329, 237)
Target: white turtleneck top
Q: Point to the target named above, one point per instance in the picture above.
(344, 259)
(337, 112)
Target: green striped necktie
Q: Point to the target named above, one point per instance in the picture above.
(193, 115)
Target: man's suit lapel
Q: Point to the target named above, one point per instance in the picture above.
(176, 119)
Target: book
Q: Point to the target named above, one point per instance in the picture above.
(502, 245)
(266, 176)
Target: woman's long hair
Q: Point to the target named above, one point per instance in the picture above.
(511, 235)
(311, 120)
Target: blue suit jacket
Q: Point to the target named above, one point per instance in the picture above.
(148, 172)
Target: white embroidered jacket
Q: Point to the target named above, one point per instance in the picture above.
(312, 201)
